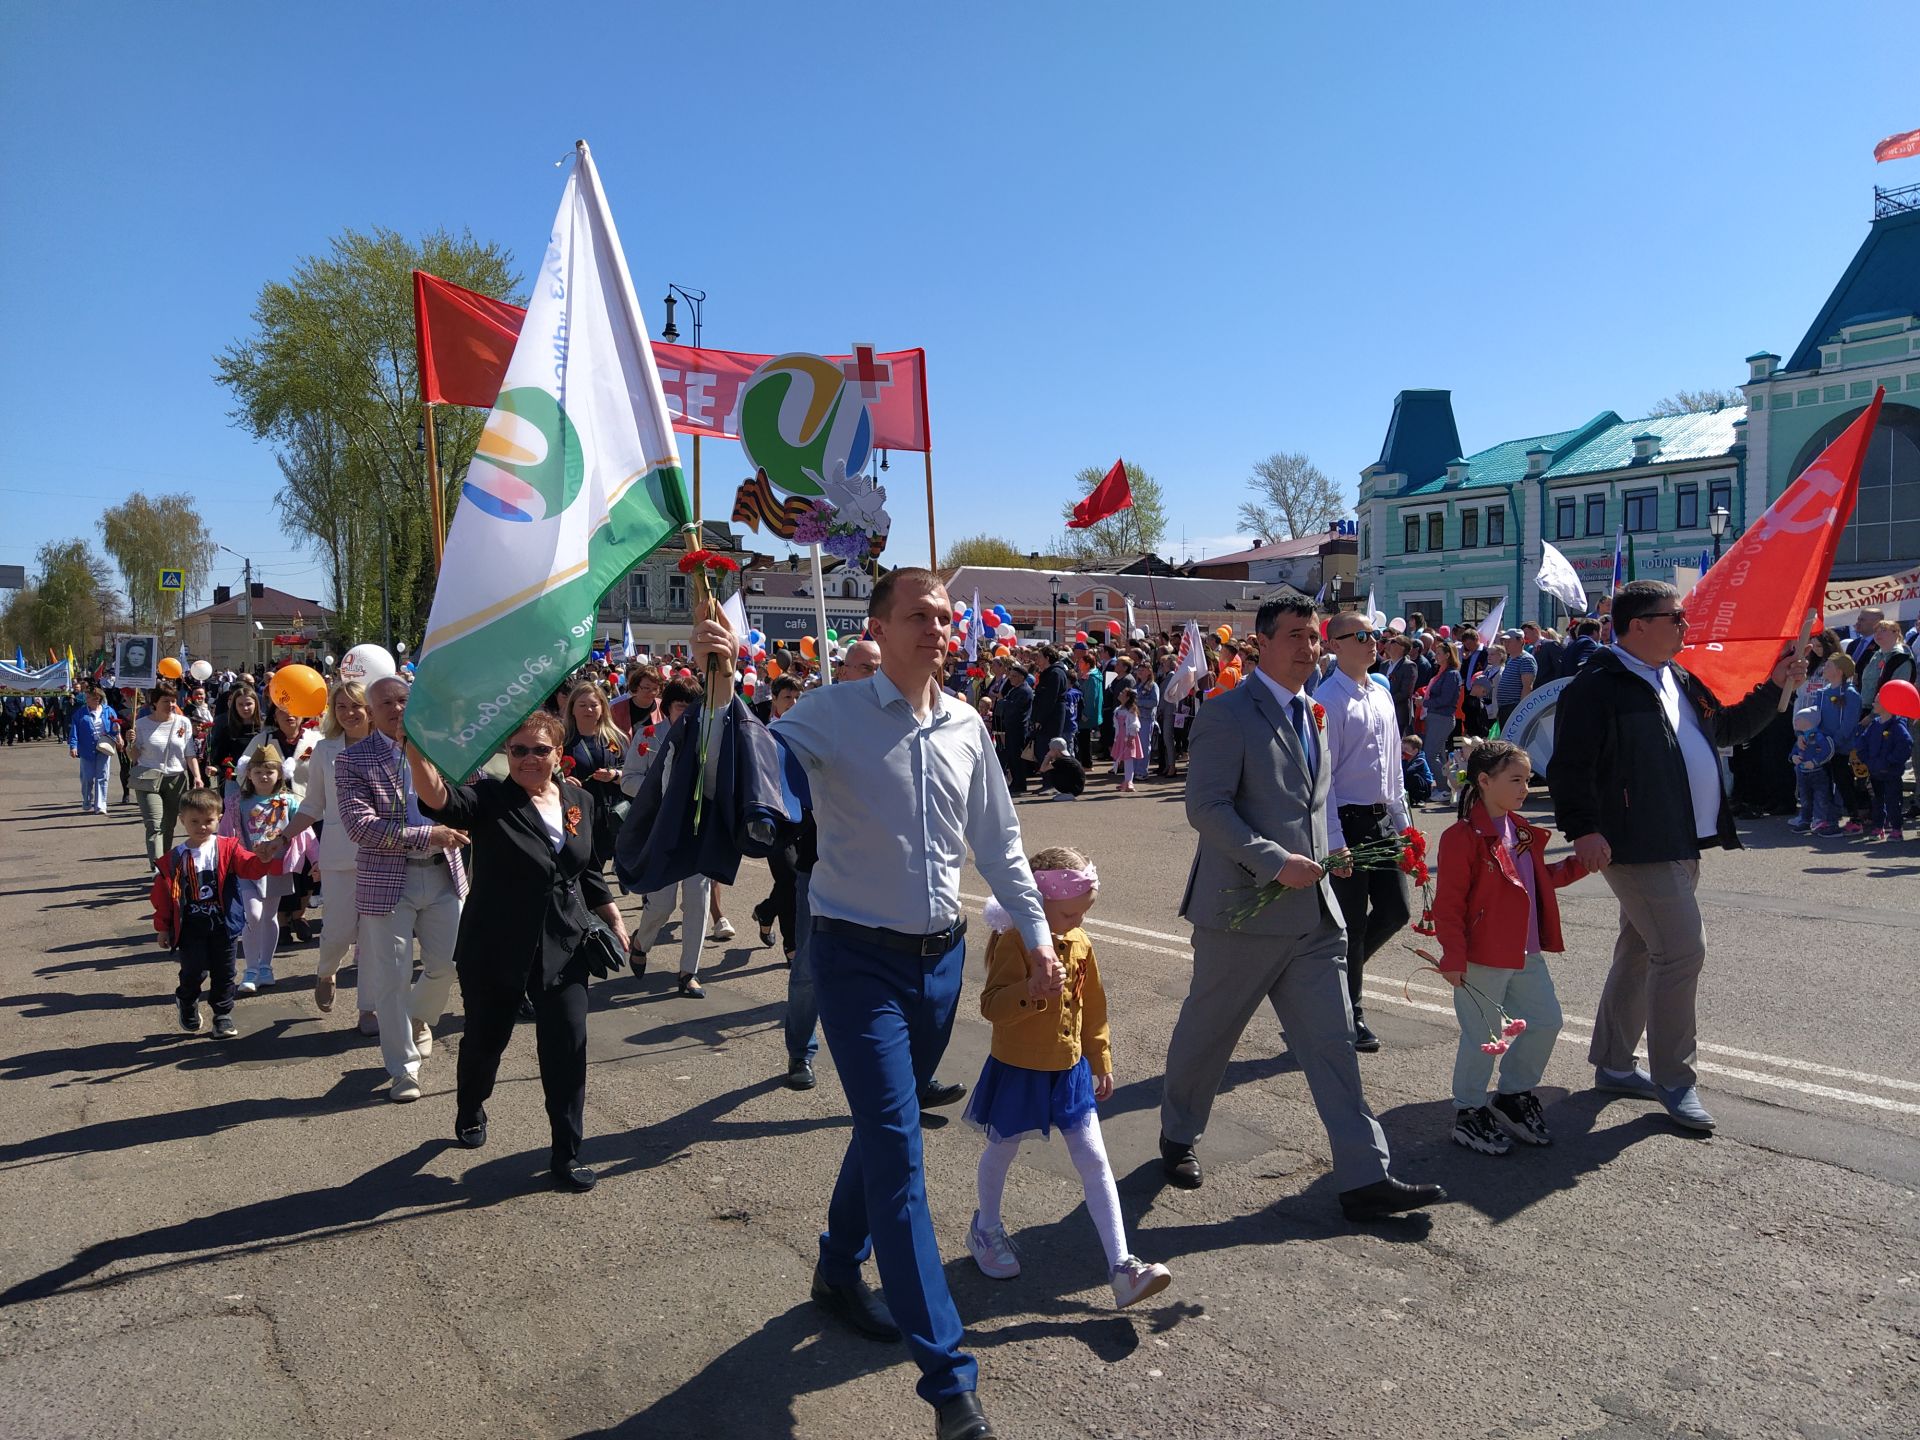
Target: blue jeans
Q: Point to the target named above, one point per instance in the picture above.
(93, 779)
(1816, 796)
(803, 1009)
(1889, 799)
(887, 1017)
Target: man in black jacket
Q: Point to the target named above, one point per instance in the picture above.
(1582, 648)
(1012, 714)
(1636, 786)
(1050, 702)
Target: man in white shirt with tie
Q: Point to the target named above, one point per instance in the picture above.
(1257, 797)
(1367, 800)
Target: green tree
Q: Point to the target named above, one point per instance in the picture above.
(1137, 530)
(1692, 402)
(992, 550)
(71, 600)
(329, 376)
(1294, 498)
(144, 535)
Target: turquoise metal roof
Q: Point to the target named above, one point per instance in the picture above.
(1705, 435)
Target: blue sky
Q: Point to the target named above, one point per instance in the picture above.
(1186, 235)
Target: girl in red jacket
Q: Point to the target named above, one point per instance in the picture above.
(1495, 914)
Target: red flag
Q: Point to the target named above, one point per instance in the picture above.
(1109, 497)
(1898, 147)
(1756, 597)
(465, 339)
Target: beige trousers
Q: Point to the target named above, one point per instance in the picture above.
(1656, 971)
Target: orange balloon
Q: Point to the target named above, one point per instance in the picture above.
(773, 669)
(1225, 632)
(807, 647)
(300, 690)
(170, 668)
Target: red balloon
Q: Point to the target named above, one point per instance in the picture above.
(1081, 636)
(1113, 627)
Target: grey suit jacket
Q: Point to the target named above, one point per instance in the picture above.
(1251, 800)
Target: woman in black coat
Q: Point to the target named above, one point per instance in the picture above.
(535, 880)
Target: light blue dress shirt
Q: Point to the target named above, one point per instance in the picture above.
(899, 800)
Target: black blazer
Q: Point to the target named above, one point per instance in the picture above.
(528, 904)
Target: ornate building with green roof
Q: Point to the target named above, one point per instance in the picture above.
(1448, 533)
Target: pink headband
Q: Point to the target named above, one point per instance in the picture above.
(1067, 884)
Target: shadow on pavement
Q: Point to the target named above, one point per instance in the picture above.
(284, 1040)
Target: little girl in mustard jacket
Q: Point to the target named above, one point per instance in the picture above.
(1051, 1060)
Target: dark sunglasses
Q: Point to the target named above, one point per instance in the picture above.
(1361, 635)
(1678, 617)
(521, 752)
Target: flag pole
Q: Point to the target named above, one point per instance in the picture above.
(933, 546)
(436, 501)
(1806, 633)
(823, 651)
(698, 513)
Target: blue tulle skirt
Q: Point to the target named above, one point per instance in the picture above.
(1010, 1103)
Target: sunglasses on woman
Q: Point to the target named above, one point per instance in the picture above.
(521, 752)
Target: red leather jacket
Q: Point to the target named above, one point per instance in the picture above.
(1480, 904)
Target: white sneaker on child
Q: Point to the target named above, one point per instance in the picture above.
(1133, 1279)
(246, 985)
(992, 1251)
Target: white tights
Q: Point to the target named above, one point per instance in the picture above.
(1089, 1153)
(260, 902)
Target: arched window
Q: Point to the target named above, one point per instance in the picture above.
(1886, 523)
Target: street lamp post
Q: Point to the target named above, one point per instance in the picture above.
(697, 302)
(1717, 523)
(1053, 582)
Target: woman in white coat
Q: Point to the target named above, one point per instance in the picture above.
(347, 720)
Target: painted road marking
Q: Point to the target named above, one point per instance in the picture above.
(1569, 1035)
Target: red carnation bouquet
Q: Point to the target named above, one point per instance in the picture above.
(708, 570)
(1406, 852)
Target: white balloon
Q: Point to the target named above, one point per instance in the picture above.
(366, 664)
(1005, 632)
(1397, 623)
(200, 670)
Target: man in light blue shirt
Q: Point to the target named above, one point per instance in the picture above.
(903, 783)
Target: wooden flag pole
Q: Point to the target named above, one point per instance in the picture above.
(436, 502)
(933, 546)
(1806, 633)
(822, 650)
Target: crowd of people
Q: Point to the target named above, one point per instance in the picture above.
(1307, 744)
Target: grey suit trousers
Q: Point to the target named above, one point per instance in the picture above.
(1304, 978)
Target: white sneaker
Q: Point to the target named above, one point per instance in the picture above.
(992, 1251)
(723, 931)
(245, 985)
(404, 1090)
(1134, 1279)
(423, 1038)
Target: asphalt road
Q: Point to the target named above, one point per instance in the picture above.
(231, 1239)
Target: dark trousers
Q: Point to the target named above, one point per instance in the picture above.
(1083, 746)
(779, 903)
(1884, 813)
(206, 955)
(803, 1009)
(887, 1017)
(1852, 804)
(1013, 760)
(560, 1034)
(1374, 902)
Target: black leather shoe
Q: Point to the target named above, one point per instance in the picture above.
(933, 1095)
(855, 1306)
(1388, 1197)
(961, 1418)
(1179, 1164)
(575, 1178)
(471, 1133)
(1364, 1040)
(800, 1074)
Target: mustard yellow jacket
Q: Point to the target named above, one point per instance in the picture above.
(1051, 1033)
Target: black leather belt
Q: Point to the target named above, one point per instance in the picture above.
(1378, 812)
(921, 945)
(438, 857)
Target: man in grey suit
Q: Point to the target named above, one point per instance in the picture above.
(1257, 794)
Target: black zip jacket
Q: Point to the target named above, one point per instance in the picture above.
(1617, 767)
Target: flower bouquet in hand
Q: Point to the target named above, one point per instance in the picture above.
(708, 571)
(1502, 1028)
(1405, 852)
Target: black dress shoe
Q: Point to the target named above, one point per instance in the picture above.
(1364, 1040)
(1179, 1164)
(933, 1095)
(961, 1418)
(575, 1178)
(800, 1074)
(1388, 1197)
(471, 1133)
(855, 1306)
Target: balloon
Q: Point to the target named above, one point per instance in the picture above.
(201, 671)
(366, 664)
(773, 669)
(1900, 698)
(1398, 622)
(953, 647)
(1005, 632)
(1081, 636)
(1446, 632)
(299, 690)
(326, 662)
(1000, 652)
(807, 647)
(1114, 627)
(833, 637)
(1225, 634)
(170, 668)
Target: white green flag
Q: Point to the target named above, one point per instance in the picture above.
(576, 480)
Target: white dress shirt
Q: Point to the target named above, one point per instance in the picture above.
(899, 800)
(1702, 760)
(1363, 746)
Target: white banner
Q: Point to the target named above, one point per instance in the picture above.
(1897, 595)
